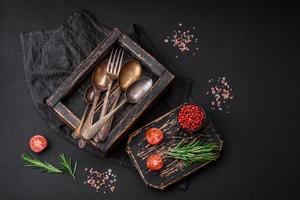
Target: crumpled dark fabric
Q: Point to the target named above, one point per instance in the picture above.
(50, 56)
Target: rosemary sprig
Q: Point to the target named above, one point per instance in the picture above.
(66, 164)
(193, 152)
(32, 161)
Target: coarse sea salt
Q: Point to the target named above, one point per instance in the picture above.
(221, 94)
(183, 39)
(101, 180)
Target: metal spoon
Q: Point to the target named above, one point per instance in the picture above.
(133, 94)
(100, 83)
(130, 72)
(89, 96)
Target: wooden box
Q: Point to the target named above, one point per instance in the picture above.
(60, 100)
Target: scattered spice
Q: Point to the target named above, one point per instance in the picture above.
(190, 117)
(221, 94)
(183, 39)
(101, 181)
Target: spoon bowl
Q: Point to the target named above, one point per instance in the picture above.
(130, 72)
(138, 89)
(99, 79)
(89, 94)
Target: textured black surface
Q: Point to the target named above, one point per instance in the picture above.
(255, 46)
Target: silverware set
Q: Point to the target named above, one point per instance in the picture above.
(105, 74)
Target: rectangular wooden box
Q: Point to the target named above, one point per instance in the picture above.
(60, 100)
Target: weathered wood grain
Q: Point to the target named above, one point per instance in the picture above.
(68, 117)
(139, 150)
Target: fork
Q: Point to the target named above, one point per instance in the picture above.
(113, 70)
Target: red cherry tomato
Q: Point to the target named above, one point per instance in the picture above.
(38, 143)
(154, 136)
(155, 162)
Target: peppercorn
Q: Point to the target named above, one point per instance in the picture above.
(190, 117)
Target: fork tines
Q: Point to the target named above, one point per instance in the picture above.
(115, 61)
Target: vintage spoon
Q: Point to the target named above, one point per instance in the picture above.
(100, 83)
(130, 72)
(133, 94)
(113, 69)
(89, 95)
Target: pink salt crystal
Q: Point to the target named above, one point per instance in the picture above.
(221, 91)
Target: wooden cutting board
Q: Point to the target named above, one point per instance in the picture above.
(138, 150)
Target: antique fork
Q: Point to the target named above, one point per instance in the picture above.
(113, 70)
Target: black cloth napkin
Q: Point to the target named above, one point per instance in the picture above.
(50, 56)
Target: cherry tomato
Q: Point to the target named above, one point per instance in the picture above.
(38, 143)
(155, 162)
(154, 136)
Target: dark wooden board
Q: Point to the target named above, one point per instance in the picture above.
(68, 102)
(138, 150)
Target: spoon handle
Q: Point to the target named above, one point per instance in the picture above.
(76, 133)
(104, 110)
(104, 131)
(81, 143)
(90, 132)
(105, 103)
(90, 117)
(89, 121)
(100, 103)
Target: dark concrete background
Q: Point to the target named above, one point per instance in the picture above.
(256, 46)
